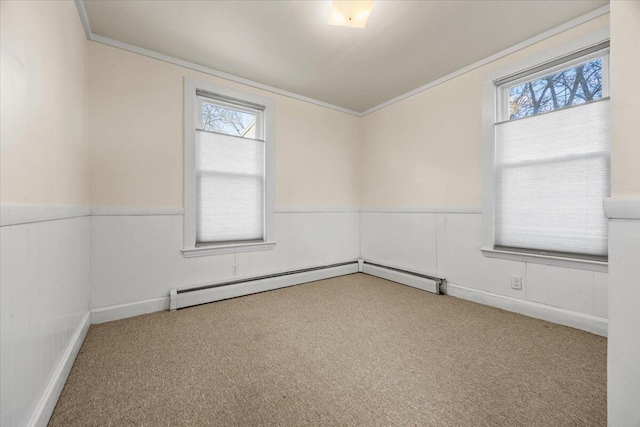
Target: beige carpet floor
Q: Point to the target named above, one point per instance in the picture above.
(354, 350)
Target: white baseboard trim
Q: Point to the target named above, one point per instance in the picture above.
(130, 309)
(400, 277)
(46, 405)
(585, 322)
(196, 297)
(19, 214)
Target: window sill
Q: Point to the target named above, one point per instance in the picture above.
(577, 263)
(227, 249)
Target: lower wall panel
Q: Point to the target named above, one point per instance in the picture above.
(447, 245)
(402, 240)
(138, 258)
(44, 269)
(623, 372)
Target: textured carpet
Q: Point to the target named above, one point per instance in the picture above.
(354, 350)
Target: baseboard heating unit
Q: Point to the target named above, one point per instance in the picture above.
(187, 297)
(406, 277)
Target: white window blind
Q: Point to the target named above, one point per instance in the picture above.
(230, 174)
(551, 176)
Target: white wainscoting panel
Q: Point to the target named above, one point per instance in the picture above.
(561, 287)
(623, 370)
(458, 255)
(494, 276)
(586, 322)
(402, 240)
(138, 259)
(405, 239)
(305, 240)
(600, 294)
(461, 262)
(44, 269)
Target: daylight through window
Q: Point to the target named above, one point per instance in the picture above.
(230, 171)
(552, 148)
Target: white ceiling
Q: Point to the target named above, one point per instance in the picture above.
(288, 44)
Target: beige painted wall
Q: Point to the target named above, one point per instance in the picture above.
(625, 99)
(136, 138)
(425, 150)
(43, 123)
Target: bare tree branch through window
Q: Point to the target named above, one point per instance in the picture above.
(225, 120)
(572, 86)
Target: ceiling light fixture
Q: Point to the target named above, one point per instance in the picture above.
(353, 13)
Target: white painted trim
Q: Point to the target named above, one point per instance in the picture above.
(131, 309)
(619, 208)
(573, 319)
(403, 278)
(18, 214)
(188, 299)
(47, 403)
(172, 299)
(134, 211)
(213, 72)
(189, 144)
(316, 209)
(576, 263)
(227, 249)
(190, 65)
(191, 86)
(522, 45)
(425, 209)
(23, 214)
(84, 19)
(489, 116)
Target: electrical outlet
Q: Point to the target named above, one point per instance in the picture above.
(516, 282)
(234, 269)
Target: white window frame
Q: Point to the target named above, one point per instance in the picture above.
(491, 105)
(191, 119)
(502, 113)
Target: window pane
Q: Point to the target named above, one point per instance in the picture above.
(534, 212)
(229, 188)
(229, 208)
(551, 175)
(571, 86)
(216, 118)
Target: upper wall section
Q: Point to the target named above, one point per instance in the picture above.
(43, 121)
(136, 138)
(625, 99)
(424, 151)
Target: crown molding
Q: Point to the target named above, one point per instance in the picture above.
(524, 44)
(84, 19)
(221, 74)
(197, 67)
